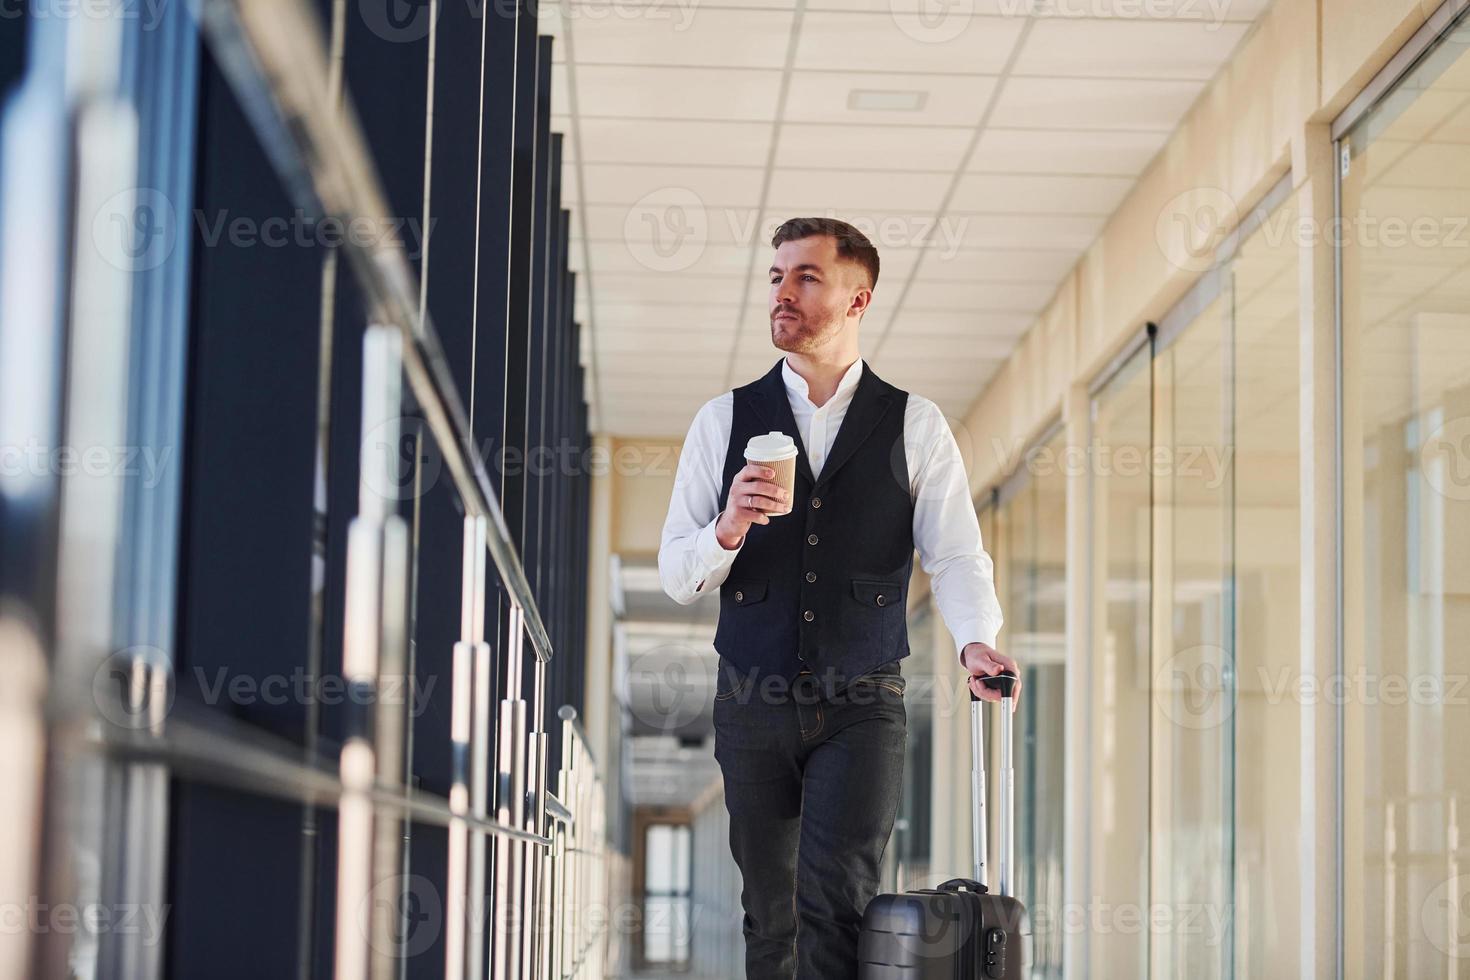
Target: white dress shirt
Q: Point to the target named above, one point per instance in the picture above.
(692, 562)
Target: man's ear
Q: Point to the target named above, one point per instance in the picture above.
(860, 302)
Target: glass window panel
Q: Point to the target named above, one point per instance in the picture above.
(1406, 342)
(1032, 585)
(1269, 807)
(1192, 767)
(1119, 662)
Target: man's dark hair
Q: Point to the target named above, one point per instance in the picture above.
(852, 244)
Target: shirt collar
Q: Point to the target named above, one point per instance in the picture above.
(796, 383)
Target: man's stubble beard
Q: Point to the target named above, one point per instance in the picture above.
(800, 341)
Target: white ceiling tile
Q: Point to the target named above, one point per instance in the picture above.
(1061, 231)
(673, 289)
(859, 193)
(701, 227)
(1235, 11)
(1031, 151)
(963, 362)
(941, 347)
(549, 22)
(720, 316)
(561, 100)
(999, 264)
(706, 339)
(692, 93)
(623, 183)
(673, 146)
(906, 41)
(1094, 103)
(674, 142)
(615, 257)
(919, 322)
(895, 264)
(1127, 48)
(702, 384)
(682, 34)
(1041, 193)
(872, 147)
(654, 363)
(822, 97)
(1015, 297)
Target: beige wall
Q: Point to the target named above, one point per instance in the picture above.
(1239, 138)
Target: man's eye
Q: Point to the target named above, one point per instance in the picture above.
(810, 276)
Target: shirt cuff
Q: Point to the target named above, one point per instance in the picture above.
(715, 555)
(970, 633)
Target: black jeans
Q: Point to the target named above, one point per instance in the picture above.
(812, 787)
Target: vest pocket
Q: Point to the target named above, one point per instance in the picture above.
(882, 612)
(877, 593)
(745, 592)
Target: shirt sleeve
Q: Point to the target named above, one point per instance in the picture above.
(691, 560)
(947, 535)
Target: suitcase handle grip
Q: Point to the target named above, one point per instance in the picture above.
(968, 884)
(1004, 682)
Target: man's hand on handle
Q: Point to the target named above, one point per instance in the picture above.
(983, 660)
(752, 498)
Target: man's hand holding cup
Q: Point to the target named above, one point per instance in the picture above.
(753, 498)
(763, 488)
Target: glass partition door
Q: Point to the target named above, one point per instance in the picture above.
(1031, 578)
(1118, 774)
(1405, 280)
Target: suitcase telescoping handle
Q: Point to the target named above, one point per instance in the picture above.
(1005, 683)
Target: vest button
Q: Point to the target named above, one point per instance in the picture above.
(879, 599)
(808, 616)
(739, 596)
(816, 501)
(811, 539)
(811, 576)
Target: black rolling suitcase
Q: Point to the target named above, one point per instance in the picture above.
(960, 930)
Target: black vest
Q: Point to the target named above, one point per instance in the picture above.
(825, 587)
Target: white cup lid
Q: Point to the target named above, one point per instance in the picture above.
(772, 447)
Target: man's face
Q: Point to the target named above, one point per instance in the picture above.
(811, 291)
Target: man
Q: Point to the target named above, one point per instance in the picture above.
(810, 723)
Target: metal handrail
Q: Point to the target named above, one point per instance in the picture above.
(247, 762)
(273, 53)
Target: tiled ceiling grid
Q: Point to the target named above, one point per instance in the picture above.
(983, 145)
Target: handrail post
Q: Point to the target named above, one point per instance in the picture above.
(480, 737)
(368, 539)
(510, 807)
(464, 940)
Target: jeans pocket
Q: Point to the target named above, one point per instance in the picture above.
(880, 682)
(729, 681)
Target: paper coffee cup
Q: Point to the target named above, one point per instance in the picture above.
(778, 451)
